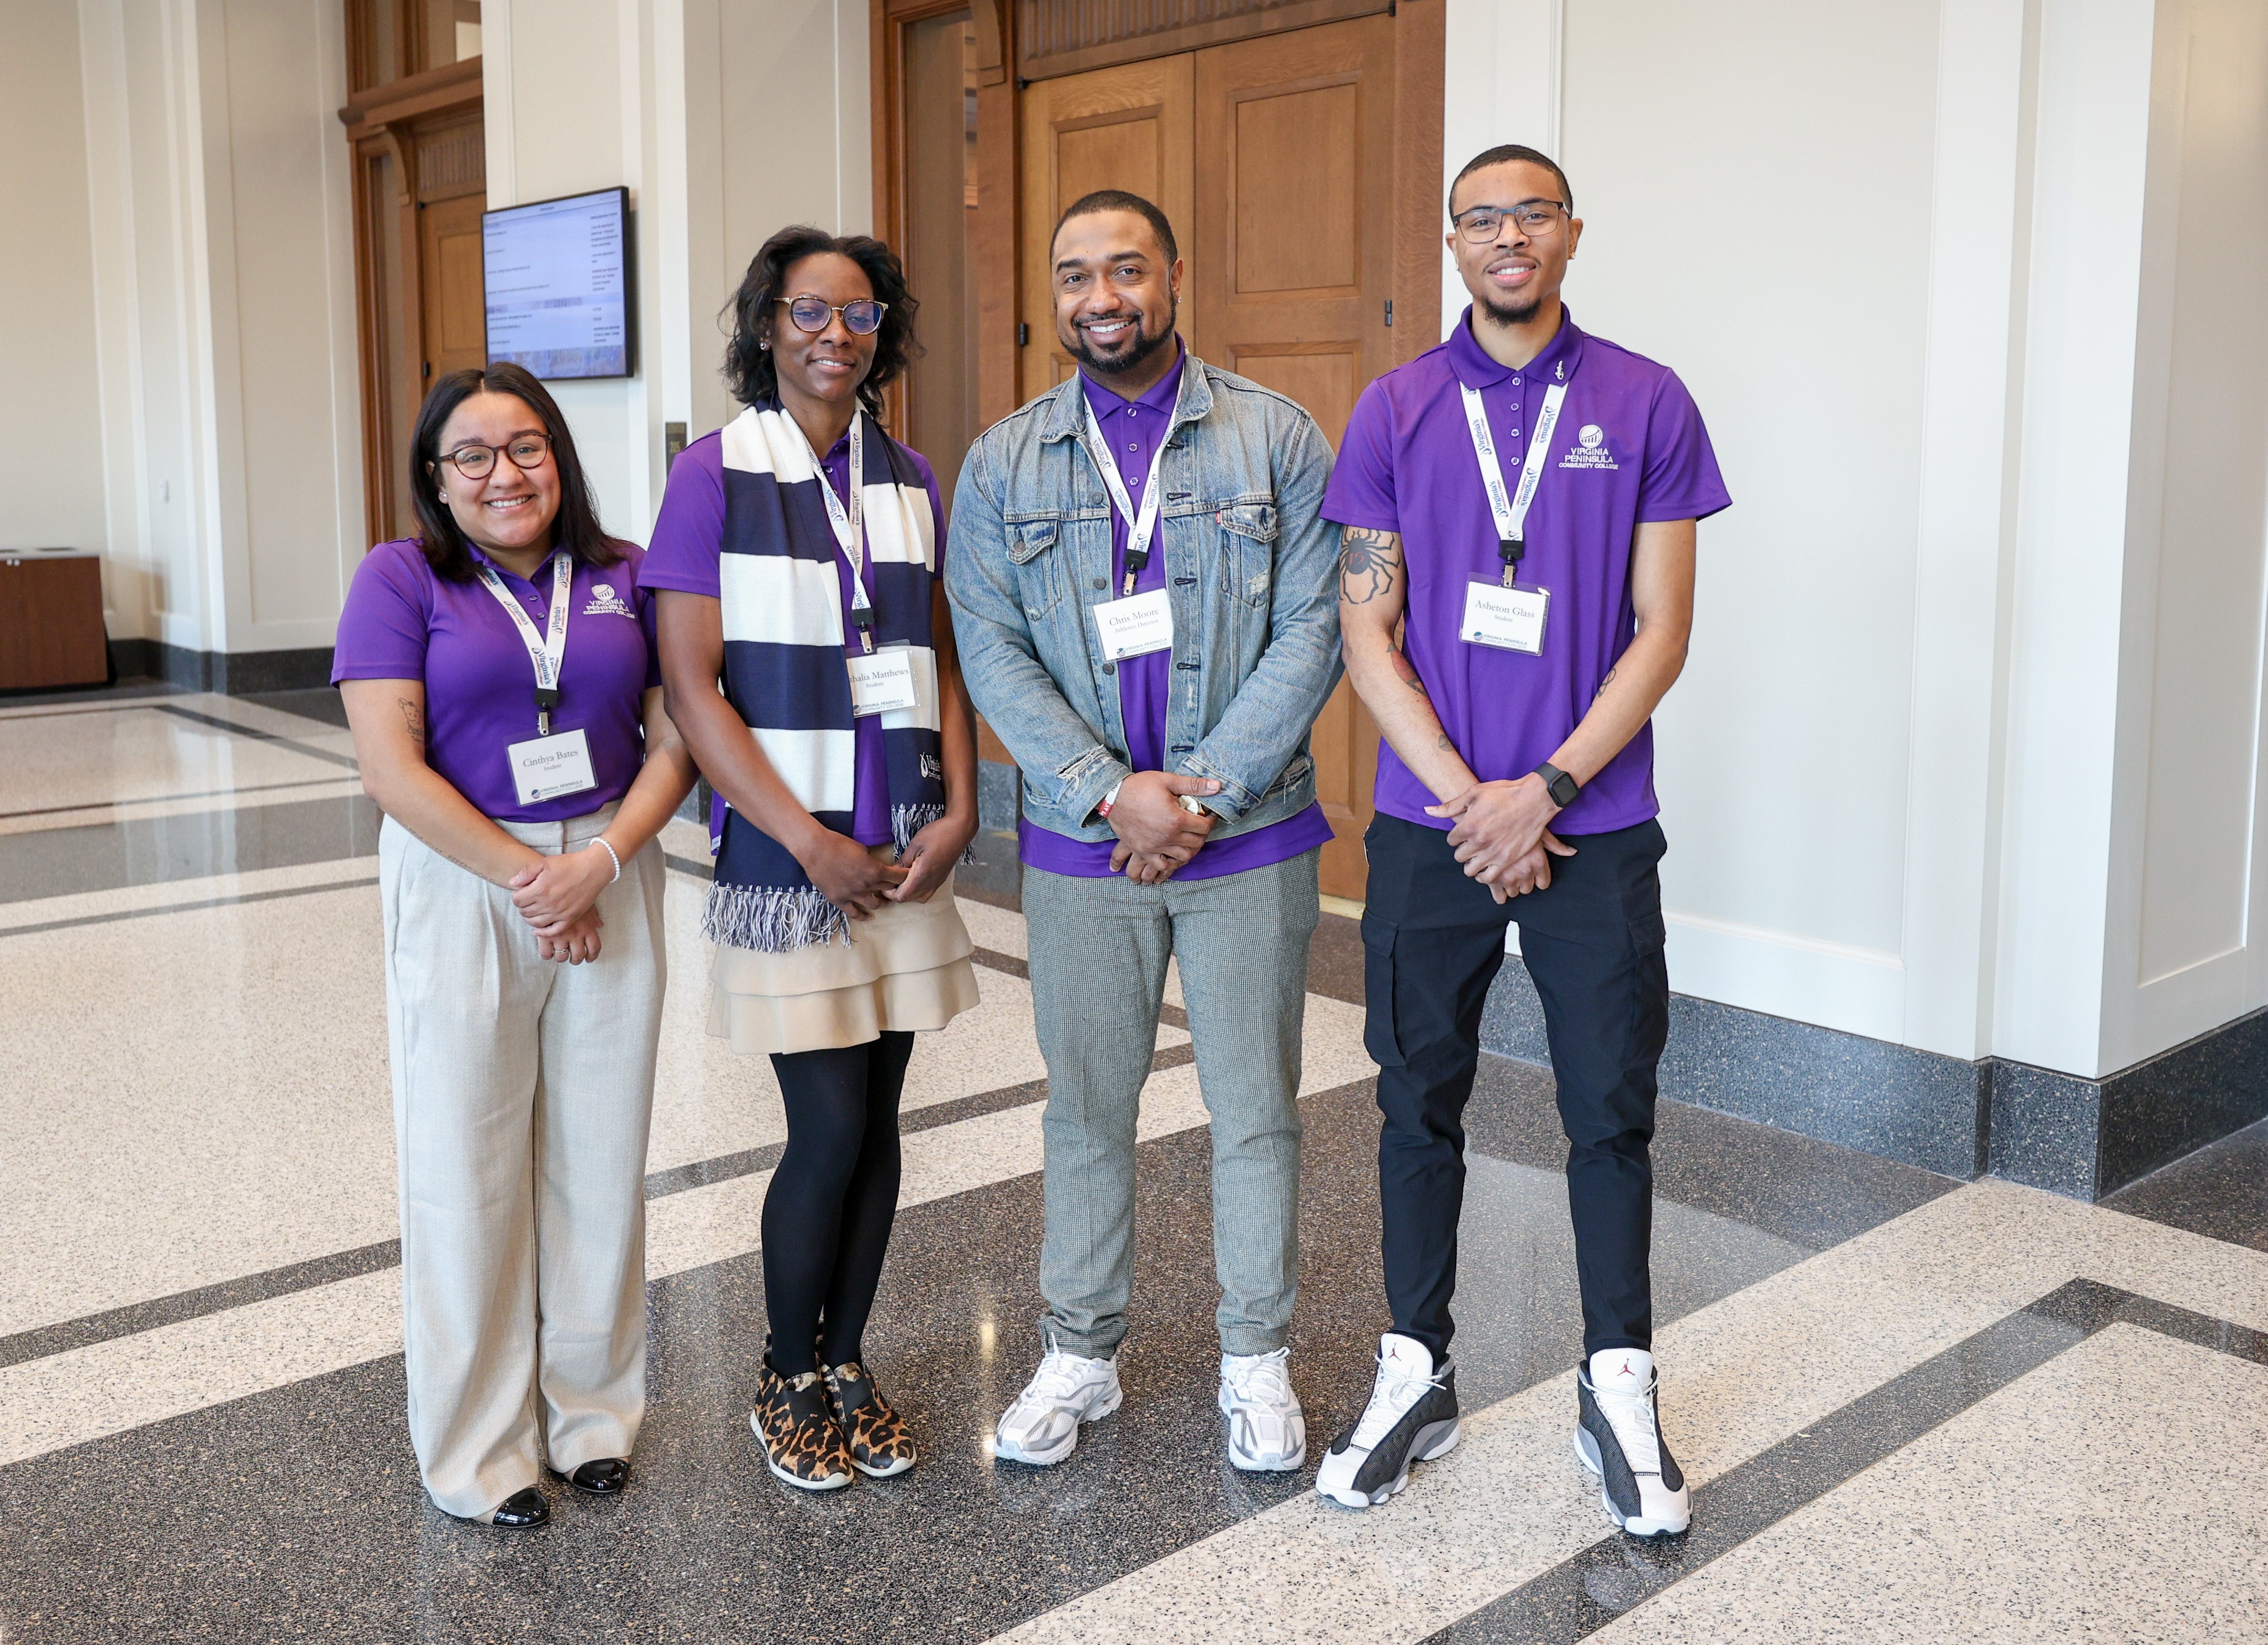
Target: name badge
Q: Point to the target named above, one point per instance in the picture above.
(1509, 618)
(881, 680)
(1135, 625)
(545, 768)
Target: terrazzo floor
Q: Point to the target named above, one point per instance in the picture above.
(1912, 1408)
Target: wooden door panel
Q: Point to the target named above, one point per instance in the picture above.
(1325, 378)
(1127, 128)
(1291, 259)
(456, 324)
(1297, 199)
(1345, 749)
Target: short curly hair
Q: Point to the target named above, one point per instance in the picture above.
(749, 368)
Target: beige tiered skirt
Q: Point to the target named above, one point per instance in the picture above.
(905, 968)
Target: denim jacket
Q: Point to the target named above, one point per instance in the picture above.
(1251, 576)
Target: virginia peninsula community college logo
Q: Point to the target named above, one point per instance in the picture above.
(604, 604)
(1589, 450)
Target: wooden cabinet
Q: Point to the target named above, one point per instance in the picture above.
(51, 630)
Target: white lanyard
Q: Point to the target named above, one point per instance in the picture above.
(546, 650)
(849, 524)
(1142, 523)
(1511, 512)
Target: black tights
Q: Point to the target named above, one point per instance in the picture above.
(834, 1193)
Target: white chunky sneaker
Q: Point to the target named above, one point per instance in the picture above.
(1411, 1417)
(1267, 1432)
(1042, 1427)
(1618, 1437)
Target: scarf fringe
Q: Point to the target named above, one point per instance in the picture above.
(906, 821)
(769, 919)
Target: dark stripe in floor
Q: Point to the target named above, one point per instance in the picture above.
(136, 1318)
(1617, 1573)
(156, 850)
(188, 907)
(297, 1513)
(235, 730)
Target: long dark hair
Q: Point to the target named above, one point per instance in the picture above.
(576, 528)
(749, 368)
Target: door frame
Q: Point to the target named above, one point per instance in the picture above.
(1418, 177)
(387, 120)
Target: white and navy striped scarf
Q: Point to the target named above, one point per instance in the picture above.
(785, 671)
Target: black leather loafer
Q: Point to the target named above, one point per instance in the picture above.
(522, 1509)
(604, 1476)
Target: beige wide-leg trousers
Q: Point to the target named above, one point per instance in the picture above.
(522, 1089)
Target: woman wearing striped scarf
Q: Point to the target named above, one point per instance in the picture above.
(808, 655)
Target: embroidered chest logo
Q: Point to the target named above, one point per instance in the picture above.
(605, 604)
(1589, 450)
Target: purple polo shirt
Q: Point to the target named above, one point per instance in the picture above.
(1132, 431)
(1629, 449)
(403, 622)
(688, 536)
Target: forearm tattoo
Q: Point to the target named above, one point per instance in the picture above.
(1369, 562)
(1405, 670)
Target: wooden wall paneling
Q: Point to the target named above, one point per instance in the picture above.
(1420, 210)
(414, 138)
(1293, 257)
(1129, 127)
(993, 253)
(1000, 201)
(1060, 36)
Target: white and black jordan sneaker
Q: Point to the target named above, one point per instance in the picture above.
(1411, 1417)
(1618, 1437)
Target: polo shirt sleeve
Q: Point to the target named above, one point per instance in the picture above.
(936, 505)
(643, 602)
(386, 619)
(1681, 481)
(689, 533)
(1361, 490)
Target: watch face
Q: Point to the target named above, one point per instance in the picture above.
(1564, 790)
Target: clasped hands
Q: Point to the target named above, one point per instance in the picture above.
(850, 875)
(1157, 833)
(1501, 834)
(558, 895)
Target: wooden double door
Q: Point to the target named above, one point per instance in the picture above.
(1274, 158)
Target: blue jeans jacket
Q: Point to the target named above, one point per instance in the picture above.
(1251, 574)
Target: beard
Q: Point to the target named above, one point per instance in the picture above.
(1137, 347)
(1513, 314)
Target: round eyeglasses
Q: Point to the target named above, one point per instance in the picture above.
(864, 318)
(1533, 219)
(474, 462)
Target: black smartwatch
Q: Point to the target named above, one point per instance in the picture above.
(1562, 787)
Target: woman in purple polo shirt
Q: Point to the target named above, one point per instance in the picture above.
(808, 655)
(499, 673)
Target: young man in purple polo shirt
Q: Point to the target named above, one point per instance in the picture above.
(1145, 597)
(1522, 502)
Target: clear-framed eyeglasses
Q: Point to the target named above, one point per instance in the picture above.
(475, 461)
(863, 317)
(1534, 218)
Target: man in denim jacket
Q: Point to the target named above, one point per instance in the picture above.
(1144, 597)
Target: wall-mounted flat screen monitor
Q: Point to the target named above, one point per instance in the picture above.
(558, 281)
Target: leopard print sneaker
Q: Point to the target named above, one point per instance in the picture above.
(803, 1443)
(880, 1444)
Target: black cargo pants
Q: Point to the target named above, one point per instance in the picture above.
(1593, 944)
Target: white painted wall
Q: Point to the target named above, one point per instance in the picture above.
(51, 476)
(725, 121)
(1968, 753)
(203, 360)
